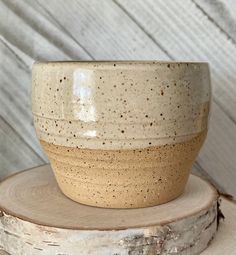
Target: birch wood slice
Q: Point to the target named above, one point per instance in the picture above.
(36, 218)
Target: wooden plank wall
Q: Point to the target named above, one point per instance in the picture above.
(199, 30)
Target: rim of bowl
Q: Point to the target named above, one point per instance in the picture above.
(122, 62)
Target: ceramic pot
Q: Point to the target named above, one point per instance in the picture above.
(121, 134)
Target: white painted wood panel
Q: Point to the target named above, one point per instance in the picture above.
(122, 29)
(222, 14)
(11, 155)
(15, 94)
(102, 29)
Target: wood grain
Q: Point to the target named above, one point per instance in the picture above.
(15, 95)
(37, 217)
(222, 14)
(27, 195)
(102, 29)
(38, 39)
(12, 159)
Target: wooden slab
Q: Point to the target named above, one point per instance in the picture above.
(34, 196)
(225, 239)
(37, 217)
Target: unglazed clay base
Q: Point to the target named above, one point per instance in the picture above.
(124, 178)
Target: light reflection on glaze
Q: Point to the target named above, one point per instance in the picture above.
(83, 96)
(90, 133)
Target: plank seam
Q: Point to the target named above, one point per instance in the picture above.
(212, 20)
(29, 19)
(64, 29)
(21, 61)
(142, 28)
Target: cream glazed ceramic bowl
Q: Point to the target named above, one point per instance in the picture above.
(121, 134)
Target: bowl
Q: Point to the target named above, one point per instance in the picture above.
(121, 134)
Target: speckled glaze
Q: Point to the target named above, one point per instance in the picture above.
(121, 134)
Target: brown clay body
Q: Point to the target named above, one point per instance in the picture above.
(121, 134)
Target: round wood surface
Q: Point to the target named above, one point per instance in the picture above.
(34, 196)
